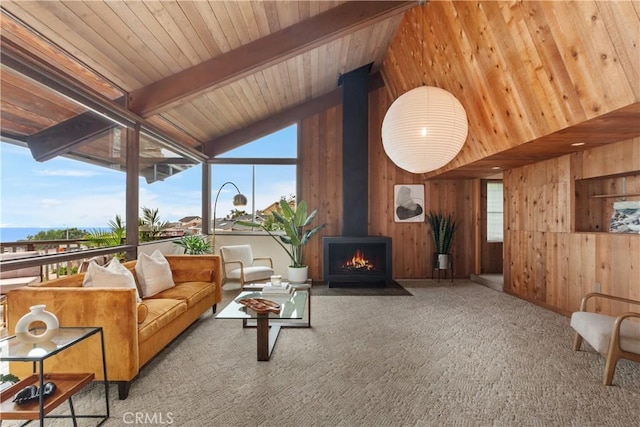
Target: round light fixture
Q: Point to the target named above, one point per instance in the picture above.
(424, 129)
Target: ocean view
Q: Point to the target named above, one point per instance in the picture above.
(14, 234)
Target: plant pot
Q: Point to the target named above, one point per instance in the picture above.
(444, 261)
(298, 274)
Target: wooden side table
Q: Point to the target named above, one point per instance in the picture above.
(67, 384)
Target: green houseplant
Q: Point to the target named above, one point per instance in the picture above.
(295, 223)
(442, 230)
(194, 244)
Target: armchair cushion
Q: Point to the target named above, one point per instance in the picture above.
(596, 329)
(613, 337)
(251, 274)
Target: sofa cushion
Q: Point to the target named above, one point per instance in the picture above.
(113, 275)
(154, 273)
(160, 313)
(143, 312)
(190, 292)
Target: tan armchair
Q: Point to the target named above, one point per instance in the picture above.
(238, 263)
(613, 337)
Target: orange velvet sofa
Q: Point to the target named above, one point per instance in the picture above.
(133, 332)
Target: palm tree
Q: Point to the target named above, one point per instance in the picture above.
(150, 226)
(113, 237)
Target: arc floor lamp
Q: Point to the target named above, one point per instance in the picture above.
(238, 200)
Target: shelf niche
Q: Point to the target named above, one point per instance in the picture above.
(594, 199)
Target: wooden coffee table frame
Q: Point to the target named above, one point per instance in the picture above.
(267, 328)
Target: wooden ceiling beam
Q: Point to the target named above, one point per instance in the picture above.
(64, 137)
(609, 128)
(261, 54)
(280, 120)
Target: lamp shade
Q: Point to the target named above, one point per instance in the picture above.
(424, 129)
(239, 200)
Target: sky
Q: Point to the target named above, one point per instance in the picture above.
(63, 193)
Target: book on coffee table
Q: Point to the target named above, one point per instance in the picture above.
(285, 288)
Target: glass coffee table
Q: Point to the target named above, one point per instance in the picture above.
(291, 307)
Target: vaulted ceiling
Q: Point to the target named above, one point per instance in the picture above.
(195, 72)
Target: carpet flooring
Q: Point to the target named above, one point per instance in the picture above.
(456, 354)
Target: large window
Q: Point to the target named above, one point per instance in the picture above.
(495, 212)
(264, 171)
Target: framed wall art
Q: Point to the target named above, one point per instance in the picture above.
(408, 202)
(625, 217)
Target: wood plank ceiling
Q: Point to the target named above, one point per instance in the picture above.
(195, 70)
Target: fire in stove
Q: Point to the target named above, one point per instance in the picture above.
(358, 262)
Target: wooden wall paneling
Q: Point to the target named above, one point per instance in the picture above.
(612, 159)
(480, 227)
(604, 273)
(487, 28)
(622, 283)
(562, 79)
(451, 58)
(634, 268)
(565, 265)
(321, 152)
(564, 269)
(551, 268)
(576, 271)
(595, 52)
(621, 21)
(539, 285)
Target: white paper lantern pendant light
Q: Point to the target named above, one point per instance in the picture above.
(424, 129)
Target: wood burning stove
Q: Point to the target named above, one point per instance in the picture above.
(359, 260)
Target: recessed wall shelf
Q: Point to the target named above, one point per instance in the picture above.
(621, 195)
(595, 197)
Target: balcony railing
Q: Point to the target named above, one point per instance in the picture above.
(56, 257)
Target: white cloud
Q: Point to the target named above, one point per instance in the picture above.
(50, 202)
(67, 172)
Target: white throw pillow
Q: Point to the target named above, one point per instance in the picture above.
(154, 273)
(112, 275)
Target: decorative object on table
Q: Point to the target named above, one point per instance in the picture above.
(238, 200)
(30, 393)
(276, 280)
(409, 203)
(194, 244)
(294, 221)
(625, 217)
(261, 305)
(442, 228)
(37, 314)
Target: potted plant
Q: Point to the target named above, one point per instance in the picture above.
(443, 228)
(194, 244)
(295, 223)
